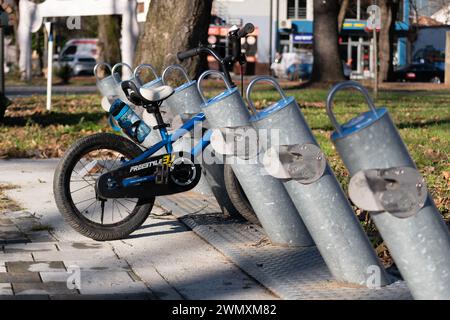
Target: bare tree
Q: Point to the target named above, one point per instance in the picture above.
(389, 12)
(108, 40)
(341, 16)
(173, 26)
(327, 66)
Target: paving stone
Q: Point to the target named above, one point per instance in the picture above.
(133, 288)
(78, 255)
(82, 246)
(8, 229)
(99, 265)
(29, 266)
(9, 257)
(158, 285)
(40, 236)
(14, 241)
(94, 283)
(26, 297)
(27, 224)
(18, 214)
(60, 276)
(30, 247)
(6, 222)
(20, 277)
(131, 296)
(49, 288)
(8, 233)
(5, 289)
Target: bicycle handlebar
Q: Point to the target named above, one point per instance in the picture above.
(240, 33)
(237, 55)
(248, 28)
(187, 54)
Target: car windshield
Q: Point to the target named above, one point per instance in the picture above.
(67, 58)
(422, 67)
(92, 60)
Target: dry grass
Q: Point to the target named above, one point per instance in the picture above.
(7, 204)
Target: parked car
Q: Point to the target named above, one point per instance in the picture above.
(292, 65)
(81, 47)
(80, 65)
(298, 65)
(420, 72)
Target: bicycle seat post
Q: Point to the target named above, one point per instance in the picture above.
(153, 107)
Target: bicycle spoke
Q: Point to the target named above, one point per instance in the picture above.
(82, 211)
(126, 208)
(120, 213)
(98, 162)
(134, 202)
(93, 180)
(95, 209)
(82, 177)
(113, 210)
(85, 200)
(80, 189)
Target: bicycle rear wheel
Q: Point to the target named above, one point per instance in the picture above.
(238, 197)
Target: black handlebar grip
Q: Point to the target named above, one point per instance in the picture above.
(248, 28)
(132, 92)
(187, 54)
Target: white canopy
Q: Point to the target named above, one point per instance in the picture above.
(32, 16)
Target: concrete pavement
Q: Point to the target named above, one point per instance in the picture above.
(162, 260)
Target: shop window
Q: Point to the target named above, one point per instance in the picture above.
(296, 9)
(357, 9)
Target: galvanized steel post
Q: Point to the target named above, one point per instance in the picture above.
(186, 102)
(317, 194)
(266, 194)
(385, 181)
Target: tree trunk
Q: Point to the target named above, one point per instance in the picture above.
(108, 39)
(389, 10)
(173, 26)
(327, 61)
(341, 15)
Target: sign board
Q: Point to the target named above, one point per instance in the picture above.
(303, 38)
(4, 19)
(374, 21)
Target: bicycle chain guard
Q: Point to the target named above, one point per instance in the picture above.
(156, 176)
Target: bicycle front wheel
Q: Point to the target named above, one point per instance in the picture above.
(75, 193)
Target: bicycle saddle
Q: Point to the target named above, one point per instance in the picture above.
(156, 94)
(145, 96)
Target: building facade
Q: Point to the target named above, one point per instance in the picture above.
(287, 26)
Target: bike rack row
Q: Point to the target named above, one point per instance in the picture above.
(295, 193)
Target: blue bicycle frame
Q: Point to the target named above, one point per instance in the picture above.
(167, 142)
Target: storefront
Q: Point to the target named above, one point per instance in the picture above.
(295, 34)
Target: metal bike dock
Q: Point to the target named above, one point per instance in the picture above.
(186, 102)
(266, 194)
(315, 191)
(291, 273)
(386, 182)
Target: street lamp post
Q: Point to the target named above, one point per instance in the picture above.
(4, 102)
(48, 27)
(374, 23)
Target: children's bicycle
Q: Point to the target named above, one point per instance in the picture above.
(105, 185)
